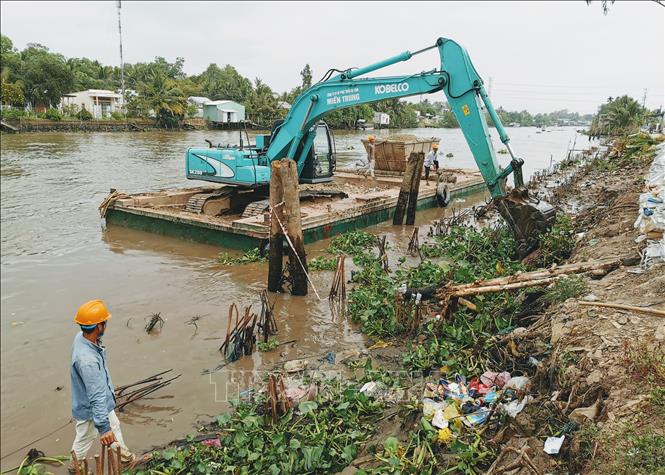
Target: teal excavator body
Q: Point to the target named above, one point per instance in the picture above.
(294, 138)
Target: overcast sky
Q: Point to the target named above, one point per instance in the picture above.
(540, 56)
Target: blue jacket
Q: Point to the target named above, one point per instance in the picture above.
(92, 389)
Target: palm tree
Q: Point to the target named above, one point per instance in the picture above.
(163, 95)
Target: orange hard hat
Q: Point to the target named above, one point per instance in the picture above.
(92, 313)
(371, 138)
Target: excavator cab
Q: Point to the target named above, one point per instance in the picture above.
(321, 161)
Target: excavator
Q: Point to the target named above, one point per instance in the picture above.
(305, 138)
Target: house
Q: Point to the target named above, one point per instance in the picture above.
(224, 112)
(199, 102)
(381, 119)
(101, 103)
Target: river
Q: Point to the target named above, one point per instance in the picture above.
(56, 254)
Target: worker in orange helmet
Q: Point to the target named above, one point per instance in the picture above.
(93, 397)
(431, 159)
(371, 147)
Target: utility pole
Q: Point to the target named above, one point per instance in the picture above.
(122, 62)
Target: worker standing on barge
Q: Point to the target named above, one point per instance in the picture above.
(371, 148)
(431, 159)
(93, 397)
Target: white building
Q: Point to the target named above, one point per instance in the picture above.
(199, 102)
(100, 103)
(381, 118)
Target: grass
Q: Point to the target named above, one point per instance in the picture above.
(566, 288)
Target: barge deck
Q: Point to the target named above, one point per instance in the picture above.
(367, 202)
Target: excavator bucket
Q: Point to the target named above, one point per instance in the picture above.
(527, 218)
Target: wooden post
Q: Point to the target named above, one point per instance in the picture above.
(98, 465)
(405, 188)
(415, 188)
(297, 259)
(276, 236)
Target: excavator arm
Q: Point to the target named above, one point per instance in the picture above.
(457, 78)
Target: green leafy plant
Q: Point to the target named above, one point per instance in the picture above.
(84, 114)
(322, 263)
(269, 345)
(324, 436)
(253, 255)
(53, 114)
(352, 243)
(556, 245)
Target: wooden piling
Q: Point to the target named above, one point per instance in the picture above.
(414, 190)
(297, 257)
(276, 237)
(412, 174)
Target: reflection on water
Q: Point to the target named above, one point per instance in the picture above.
(56, 254)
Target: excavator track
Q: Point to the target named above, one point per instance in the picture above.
(256, 208)
(196, 202)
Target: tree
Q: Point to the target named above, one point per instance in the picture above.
(12, 94)
(45, 75)
(306, 75)
(262, 105)
(618, 116)
(163, 95)
(216, 83)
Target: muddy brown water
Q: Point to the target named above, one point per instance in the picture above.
(56, 254)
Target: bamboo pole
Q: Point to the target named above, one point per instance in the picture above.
(98, 465)
(118, 452)
(275, 258)
(103, 459)
(113, 466)
(75, 462)
(414, 190)
(577, 268)
(297, 257)
(629, 308)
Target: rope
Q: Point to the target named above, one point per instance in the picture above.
(288, 240)
(112, 197)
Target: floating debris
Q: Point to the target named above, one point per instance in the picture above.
(155, 320)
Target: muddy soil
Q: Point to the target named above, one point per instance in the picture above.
(607, 367)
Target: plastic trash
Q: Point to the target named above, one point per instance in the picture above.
(294, 366)
(439, 421)
(490, 378)
(477, 418)
(330, 357)
(553, 445)
(373, 389)
(519, 383)
(430, 407)
(514, 407)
